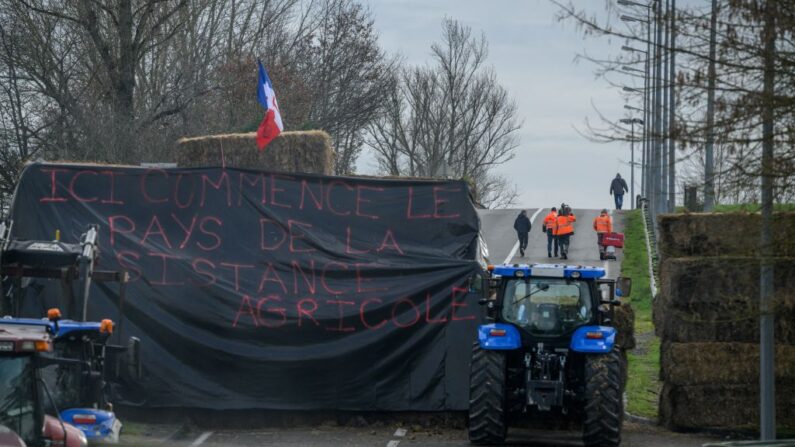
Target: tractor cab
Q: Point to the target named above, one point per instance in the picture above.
(548, 347)
(26, 402)
(549, 302)
(52, 379)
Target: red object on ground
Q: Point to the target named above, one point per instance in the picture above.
(613, 240)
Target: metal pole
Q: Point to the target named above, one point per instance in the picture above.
(648, 126)
(672, 116)
(709, 174)
(767, 377)
(657, 111)
(664, 135)
(632, 161)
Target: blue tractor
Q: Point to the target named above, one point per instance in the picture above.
(548, 349)
(54, 375)
(66, 379)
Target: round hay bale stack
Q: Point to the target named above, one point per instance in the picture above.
(301, 151)
(721, 364)
(724, 234)
(688, 407)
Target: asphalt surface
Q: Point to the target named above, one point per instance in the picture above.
(503, 243)
(634, 435)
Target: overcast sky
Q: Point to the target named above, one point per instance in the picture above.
(533, 55)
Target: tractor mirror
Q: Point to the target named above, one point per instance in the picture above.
(476, 283)
(134, 358)
(623, 287)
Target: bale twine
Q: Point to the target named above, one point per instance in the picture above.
(724, 234)
(300, 151)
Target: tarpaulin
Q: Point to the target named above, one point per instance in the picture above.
(276, 291)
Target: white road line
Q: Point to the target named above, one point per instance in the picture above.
(200, 440)
(516, 245)
(400, 432)
(392, 443)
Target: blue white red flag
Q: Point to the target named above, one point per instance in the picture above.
(271, 126)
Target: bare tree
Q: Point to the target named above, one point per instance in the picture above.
(738, 92)
(347, 73)
(450, 119)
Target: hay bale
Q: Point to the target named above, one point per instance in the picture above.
(304, 151)
(719, 280)
(624, 322)
(725, 234)
(717, 299)
(714, 327)
(688, 407)
(721, 364)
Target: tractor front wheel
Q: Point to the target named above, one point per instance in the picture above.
(604, 407)
(487, 418)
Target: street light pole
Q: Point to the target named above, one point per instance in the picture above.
(632, 122)
(672, 116)
(709, 170)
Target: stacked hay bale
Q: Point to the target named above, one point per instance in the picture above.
(301, 151)
(707, 316)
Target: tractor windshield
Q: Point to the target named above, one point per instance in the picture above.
(17, 396)
(547, 306)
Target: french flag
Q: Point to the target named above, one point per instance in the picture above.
(271, 126)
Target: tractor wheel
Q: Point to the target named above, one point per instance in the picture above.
(487, 409)
(604, 406)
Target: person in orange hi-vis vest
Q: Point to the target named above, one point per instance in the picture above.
(548, 228)
(602, 224)
(564, 229)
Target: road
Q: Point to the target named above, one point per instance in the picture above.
(497, 230)
(391, 435)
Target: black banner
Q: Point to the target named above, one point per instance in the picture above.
(266, 290)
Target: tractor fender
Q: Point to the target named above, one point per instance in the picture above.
(499, 336)
(593, 339)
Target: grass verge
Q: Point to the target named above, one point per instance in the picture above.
(644, 362)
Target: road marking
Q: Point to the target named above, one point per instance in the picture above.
(392, 443)
(400, 432)
(516, 245)
(200, 440)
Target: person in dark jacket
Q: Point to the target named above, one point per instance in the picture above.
(522, 226)
(617, 188)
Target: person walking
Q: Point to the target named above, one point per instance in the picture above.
(602, 224)
(564, 229)
(548, 228)
(617, 188)
(522, 226)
